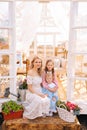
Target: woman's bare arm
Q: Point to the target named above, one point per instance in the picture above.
(32, 91)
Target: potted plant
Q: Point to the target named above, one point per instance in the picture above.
(11, 110)
(22, 89)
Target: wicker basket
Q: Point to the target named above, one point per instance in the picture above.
(65, 115)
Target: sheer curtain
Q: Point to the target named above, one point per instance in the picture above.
(29, 22)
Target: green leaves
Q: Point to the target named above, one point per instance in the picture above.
(11, 106)
(23, 85)
(61, 104)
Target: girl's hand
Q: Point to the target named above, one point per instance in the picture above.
(52, 89)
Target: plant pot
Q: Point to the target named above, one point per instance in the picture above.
(13, 115)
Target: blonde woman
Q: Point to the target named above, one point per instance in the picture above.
(38, 103)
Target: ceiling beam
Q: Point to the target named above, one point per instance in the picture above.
(52, 0)
(45, 0)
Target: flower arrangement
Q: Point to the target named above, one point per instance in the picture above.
(72, 106)
(69, 106)
(23, 84)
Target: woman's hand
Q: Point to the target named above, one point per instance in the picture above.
(42, 95)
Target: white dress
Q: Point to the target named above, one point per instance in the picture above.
(36, 105)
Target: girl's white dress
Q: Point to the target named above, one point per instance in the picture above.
(36, 105)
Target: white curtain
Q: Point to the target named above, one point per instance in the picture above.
(29, 22)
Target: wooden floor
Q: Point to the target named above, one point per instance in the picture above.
(41, 123)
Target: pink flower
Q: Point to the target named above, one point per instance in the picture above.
(72, 106)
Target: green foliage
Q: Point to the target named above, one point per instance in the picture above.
(2, 39)
(23, 85)
(11, 106)
(61, 104)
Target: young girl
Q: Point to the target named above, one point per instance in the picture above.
(47, 86)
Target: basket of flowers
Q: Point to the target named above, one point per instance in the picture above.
(12, 110)
(67, 110)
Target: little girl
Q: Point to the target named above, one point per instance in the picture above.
(50, 84)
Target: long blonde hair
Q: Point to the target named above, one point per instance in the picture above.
(32, 65)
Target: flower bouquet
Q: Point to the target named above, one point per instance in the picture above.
(73, 108)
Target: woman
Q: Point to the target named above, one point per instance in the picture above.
(38, 103)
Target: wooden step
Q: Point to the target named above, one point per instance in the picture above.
(46, 123)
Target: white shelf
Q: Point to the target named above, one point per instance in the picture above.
(77, 53)
(3, 52)
(6, 27)
(79, 27)
(78, 78)
(6, 0)
(6, 77)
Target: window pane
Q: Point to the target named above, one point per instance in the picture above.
(4, 19)
(80, 90)
(4, 83)
(81, 41)
(4, 39)
(4, 65)
(81, 65)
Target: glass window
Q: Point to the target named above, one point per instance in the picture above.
(80, 90)
(4, 14)
(4, 65)
(4, 39)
